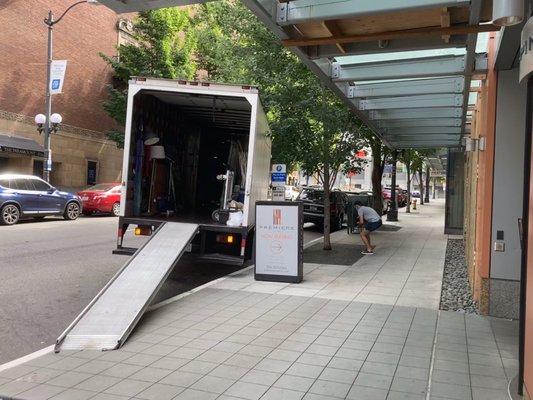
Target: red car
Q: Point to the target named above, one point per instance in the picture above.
(400, 197)
(103, 197)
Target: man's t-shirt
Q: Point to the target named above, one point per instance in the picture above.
(368, 214)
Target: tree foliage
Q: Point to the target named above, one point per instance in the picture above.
(310, 127)
(163, 49)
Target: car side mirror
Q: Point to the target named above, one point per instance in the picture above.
(51, 190)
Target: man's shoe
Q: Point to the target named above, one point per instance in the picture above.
(366, 252)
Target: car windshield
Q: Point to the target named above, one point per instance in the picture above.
(101, 187)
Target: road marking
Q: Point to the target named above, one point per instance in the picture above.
(26, 358)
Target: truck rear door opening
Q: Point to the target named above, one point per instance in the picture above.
(195, 153)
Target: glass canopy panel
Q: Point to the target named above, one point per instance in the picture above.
(399, 55)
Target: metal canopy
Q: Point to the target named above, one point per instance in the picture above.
(296, 11)
(398, 64)
(403, 66)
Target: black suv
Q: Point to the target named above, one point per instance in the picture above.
(313, 204)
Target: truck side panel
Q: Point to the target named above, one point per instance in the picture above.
(258, 171)
(127, 145)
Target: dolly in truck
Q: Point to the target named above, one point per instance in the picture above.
(195, 152)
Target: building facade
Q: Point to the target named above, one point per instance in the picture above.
(81, 153)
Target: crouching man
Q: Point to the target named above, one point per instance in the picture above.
(368, 221)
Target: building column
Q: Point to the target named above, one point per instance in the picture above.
(392, 214)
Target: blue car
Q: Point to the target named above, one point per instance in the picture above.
(24, 196)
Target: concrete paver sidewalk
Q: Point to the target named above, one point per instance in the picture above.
(367, 331)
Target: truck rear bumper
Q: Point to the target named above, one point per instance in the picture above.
(203, 247)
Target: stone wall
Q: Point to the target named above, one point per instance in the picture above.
(71, 149)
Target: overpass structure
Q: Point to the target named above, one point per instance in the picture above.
(407, 68)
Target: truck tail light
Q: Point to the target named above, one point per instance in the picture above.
(143, 230)
(243, 246)
(225, 239)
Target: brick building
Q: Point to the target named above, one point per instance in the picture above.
(80, 151)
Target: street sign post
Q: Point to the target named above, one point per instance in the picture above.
(279, 241)
(279, 174)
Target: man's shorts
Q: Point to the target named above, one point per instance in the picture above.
(372, 226)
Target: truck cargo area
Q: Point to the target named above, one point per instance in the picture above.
(188, 155)
(195, 152)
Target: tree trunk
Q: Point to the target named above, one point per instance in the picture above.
(327, 208)
(421, 186)
(377, 173)
(426, 196)
(408, 169)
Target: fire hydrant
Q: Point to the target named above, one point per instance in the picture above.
(414, 204)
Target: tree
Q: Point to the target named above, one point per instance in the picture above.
(310, 126)
(164, 49)
(380, 156)
(407, 156)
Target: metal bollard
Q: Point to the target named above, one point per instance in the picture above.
(414, 204)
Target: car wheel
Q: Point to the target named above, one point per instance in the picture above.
(10, 214)
(116, 209)
(72, 211)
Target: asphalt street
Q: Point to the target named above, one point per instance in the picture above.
(51, 269)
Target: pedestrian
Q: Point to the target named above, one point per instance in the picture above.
(368, 221)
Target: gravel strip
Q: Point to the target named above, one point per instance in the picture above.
(456, 294)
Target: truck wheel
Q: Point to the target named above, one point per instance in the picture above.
(72, 211)
(116, 209)
(10, 214)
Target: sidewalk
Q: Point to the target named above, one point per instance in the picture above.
(368, 331)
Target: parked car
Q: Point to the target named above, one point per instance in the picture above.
(401, 197)
(103, 197)
(26, 196)
(313, 207)
(291, 192)
(365, 198)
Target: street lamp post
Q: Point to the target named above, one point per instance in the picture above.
(48, 128)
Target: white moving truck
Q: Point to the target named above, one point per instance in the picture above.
(195, 152)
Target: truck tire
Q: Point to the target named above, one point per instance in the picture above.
(9, 214)
(72, 211)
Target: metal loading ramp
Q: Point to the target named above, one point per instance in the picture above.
(110, 317)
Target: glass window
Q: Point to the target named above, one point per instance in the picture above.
(29, 184)
(40, 185)
(19, 184)
(4, 183)
(92, 168)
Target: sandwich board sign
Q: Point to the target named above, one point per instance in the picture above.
(57, 75)
(279, 241)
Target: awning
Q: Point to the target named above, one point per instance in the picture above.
(20, 145)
